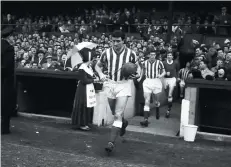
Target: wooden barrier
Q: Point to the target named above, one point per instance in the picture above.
(52, 93)
(209, 106)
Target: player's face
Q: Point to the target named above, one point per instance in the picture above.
(188, 65)
(152, 56)
(169, 56)
(117, 43)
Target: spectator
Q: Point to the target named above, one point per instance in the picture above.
(40, 59)
(205, 72)
(49, 65)
(227, 62)
(220, 63)
(220, 75)
(34, 65)
(206, 29)
(223, 19)
(9, 20)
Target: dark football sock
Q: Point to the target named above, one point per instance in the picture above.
(146, 115)
(114, 133)
(157, 109)
(169, 105)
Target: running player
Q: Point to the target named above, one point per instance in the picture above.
(154, 70)
(182, 76)
(171, 68)
(118, 89)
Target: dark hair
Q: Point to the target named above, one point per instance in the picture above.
(205, 61)
(198, 47)
(219, 50)
(150, 50)
(40, 51)
(220, 59)
(216, 73)
(118, 33)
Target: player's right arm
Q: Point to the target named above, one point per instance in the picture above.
(179, 74)
(162, 70)
(99, 66)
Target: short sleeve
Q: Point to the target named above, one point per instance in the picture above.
(103, 58)
(161, 65)
(133, 57)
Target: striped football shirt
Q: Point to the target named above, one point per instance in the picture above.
(115, 61)
(183, 74)
(152, 70)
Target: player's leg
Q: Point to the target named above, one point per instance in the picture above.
(157, 91)
(109, 90)
(120, 105)
(147, 89)
(172, 84)
(182, 87)
(147, 97)
(157, 104)
(112, 103)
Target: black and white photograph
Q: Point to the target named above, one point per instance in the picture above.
(115, 84)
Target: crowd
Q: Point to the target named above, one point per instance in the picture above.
(212, 62)
(35, 50)
(44, 52)
(133, 20)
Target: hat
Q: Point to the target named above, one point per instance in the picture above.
(40, 51)
(48, 56)
(195, 41)
(226, 41)
(141, 51)
(6, 30)
(203, 45)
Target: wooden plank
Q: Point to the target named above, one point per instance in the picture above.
(47, 73)
(193, 104)
(201, 83)
(187, 93)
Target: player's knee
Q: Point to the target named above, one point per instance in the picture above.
(118, 120)
(170, 98)
(182, 85)
(117, 124)
(146, 108)
(157, 104)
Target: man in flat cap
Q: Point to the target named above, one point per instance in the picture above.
(8, 91)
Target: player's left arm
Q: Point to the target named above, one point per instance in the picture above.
(177, 66)
(134, 59)
(162, 70)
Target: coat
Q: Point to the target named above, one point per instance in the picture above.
(8, 84)
(81, 114)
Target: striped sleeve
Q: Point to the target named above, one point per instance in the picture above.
(161, 65)
(133, 57)
(103, 58)
(180, 73)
